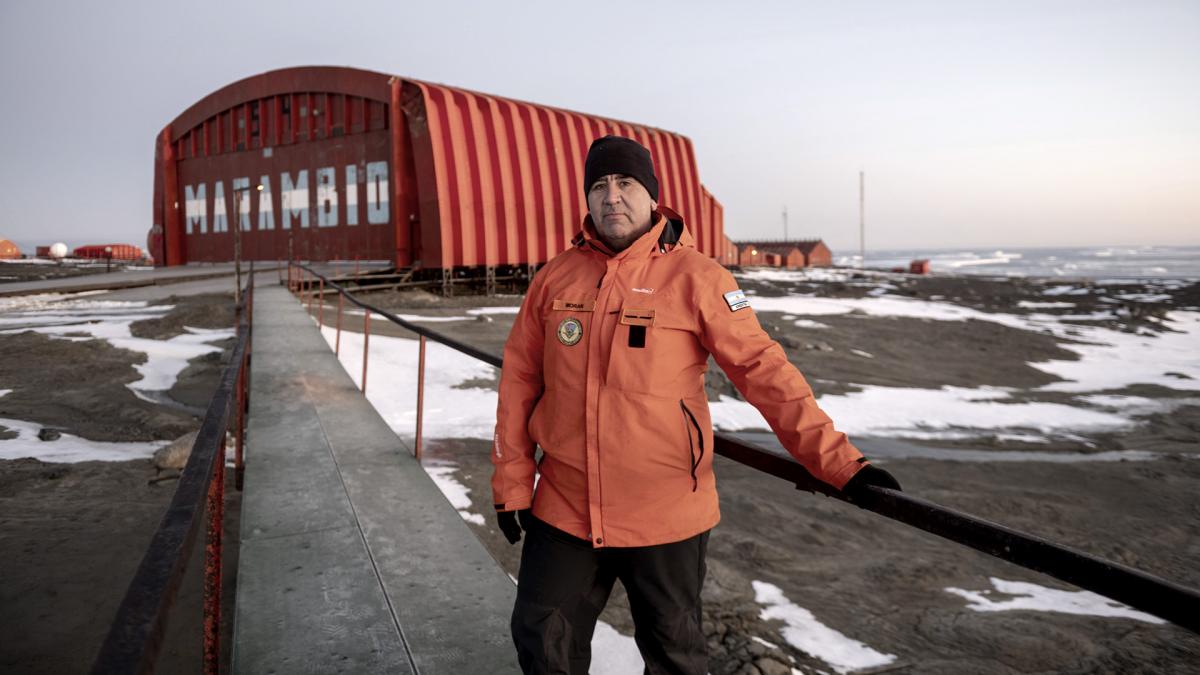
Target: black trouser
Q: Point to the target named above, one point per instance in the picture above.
(564, 584)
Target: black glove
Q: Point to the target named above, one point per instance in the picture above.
(869, 475)
(509, 524)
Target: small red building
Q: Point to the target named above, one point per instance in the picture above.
(790, 254)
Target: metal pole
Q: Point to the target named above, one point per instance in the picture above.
(321, 306)
(355, 264)
(337, 342)
(212, 565)
(247, 376)
(366, 339)
(237, 245)
(238, 462)
(420, 396)
(862, 220)
(308, 293)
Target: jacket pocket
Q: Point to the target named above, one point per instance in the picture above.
(689, 421)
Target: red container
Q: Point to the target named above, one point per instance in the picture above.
(324, 163)
(109, 251)
(918, 267)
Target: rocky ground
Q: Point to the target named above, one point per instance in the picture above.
(73, 534)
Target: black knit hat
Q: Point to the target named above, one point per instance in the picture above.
(615, 154)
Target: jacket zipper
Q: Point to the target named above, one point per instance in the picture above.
(691, 448)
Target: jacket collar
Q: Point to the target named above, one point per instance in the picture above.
(668, 233)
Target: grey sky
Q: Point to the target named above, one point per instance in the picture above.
(978, 124)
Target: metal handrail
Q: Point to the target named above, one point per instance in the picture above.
(136, 633)
(1165, 599)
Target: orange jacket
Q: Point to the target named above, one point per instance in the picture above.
(604, 370)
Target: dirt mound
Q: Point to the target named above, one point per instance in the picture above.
(215, 310)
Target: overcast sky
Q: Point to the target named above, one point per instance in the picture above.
(998, 123)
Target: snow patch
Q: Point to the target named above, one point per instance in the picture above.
(613, 653)
(1032, 597)
(450, 412)
(808, 323)
(948, 413)
(442, 473)
(1026, 304)
(68, 449)
(803, 631)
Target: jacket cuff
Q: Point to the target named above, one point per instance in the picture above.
(517, 504)
(844, 474)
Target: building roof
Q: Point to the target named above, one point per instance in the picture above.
(782, 246)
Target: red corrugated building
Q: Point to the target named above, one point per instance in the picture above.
(324, 163)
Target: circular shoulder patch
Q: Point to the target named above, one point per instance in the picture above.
(570, 331)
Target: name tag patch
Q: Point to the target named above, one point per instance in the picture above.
(736, 300)
(574, 305)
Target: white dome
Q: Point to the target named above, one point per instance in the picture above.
(58, 250)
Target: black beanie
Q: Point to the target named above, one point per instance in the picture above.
(616, 154)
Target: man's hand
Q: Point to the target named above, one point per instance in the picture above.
(868, 475)
(510, 525)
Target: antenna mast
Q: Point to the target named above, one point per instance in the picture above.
(862, 221)
(785, 238)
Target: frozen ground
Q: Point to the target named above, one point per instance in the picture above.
(84, 318)
(71, 318)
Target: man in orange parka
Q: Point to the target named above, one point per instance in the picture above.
(604, 371)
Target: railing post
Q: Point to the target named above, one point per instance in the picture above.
(366, 339)
(212, 565)
(420, 396)
(337, 341)
(321, 306)
(238, 461)
(356, 264)
(308, 292)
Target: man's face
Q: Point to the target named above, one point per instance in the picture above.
(621, 209)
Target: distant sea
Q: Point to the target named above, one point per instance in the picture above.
(1095, 262)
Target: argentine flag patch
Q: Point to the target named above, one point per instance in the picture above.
(736, 300)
